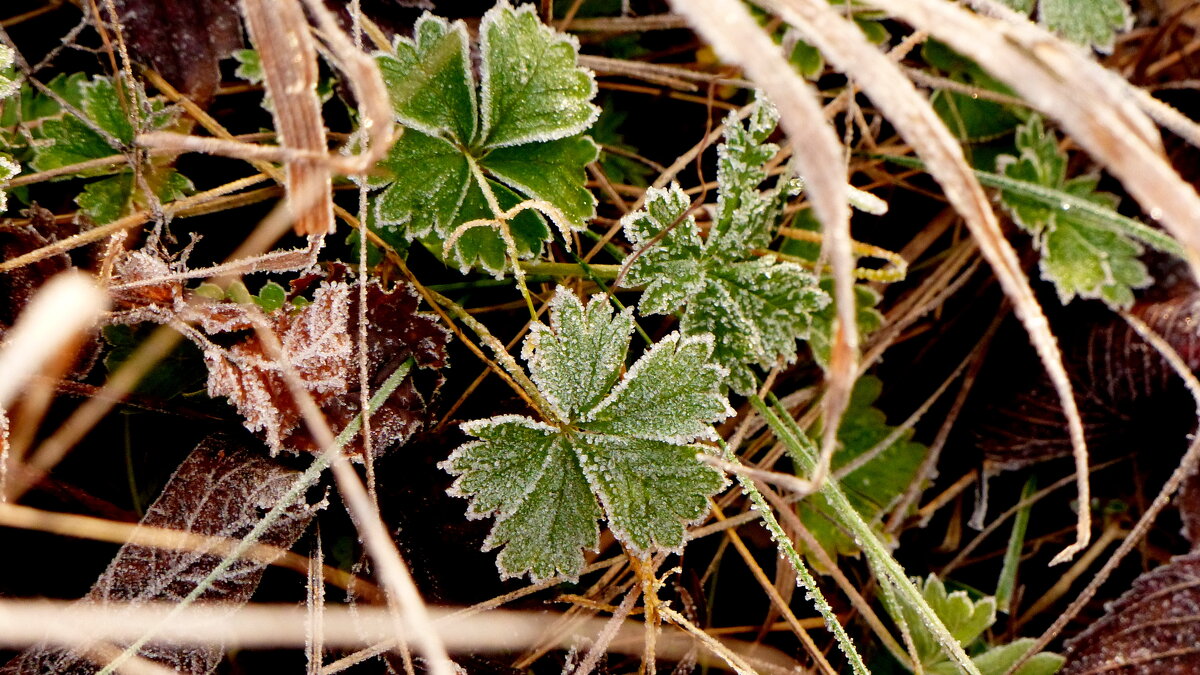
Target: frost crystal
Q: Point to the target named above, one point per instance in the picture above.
(755, 306)
(620, 449)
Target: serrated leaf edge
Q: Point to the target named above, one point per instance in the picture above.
(485, 94)
(678, 343)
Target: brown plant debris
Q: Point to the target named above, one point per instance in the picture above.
(1153, 629)
(318, 343)
(184, 40)
(220, 490)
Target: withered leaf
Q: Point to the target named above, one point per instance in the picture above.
(1123, 386)
(320, 341)
(1152, 629)
(184, 40)
(222, 490)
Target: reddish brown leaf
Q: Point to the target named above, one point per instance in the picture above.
(1153, 629)
(184, 40)
(1123, 387)
(219, 490)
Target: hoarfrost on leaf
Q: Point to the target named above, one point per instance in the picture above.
(514, 136)
(621, 448)
(1080, 256)
(755, 306)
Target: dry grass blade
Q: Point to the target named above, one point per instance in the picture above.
(728, 26)
(289, 62)
(910, 112)
(276, 626)
(66, 306)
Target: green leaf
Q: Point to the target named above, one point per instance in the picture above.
(531, 89)
(971, 119)
(429, 178)
(997, 660)
(533, 102)
(110, 198)
(429, 80)
(553, 172)
(482, 246)
(869, 319)
(1087, 22)
(620, 450)
(871, 488)
(9, 80)
(1081, 257)
(756, 306)
(1091, 23)
(271, 297)
(966, 619)
(249, 66)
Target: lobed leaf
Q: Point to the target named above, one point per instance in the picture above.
(1081, 257)
(619, 452)
(519, 128)
(755, 306)
(429, 80)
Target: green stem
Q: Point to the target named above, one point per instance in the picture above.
(302, 484)
(1088, 211)
(510, 245)
(561, 269)
(506, 360)
(784, 542)
(804, 454)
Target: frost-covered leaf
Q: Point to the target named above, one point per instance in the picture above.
(8, 169)
(620, 452)
(317, 337)
(9, 81)
(429, 80)
(220, 490)
(755, 306)
(1091, 23)
(548, 171)
(519, 126)
(318, 340)
(1152, 628)
(482, 246)
(531, 89)
(427, 179)
(1081, 257)
(871, 488)
(966, 620)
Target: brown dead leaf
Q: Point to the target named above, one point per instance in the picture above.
(184, 40)
(220, 490)
(1153, 629)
